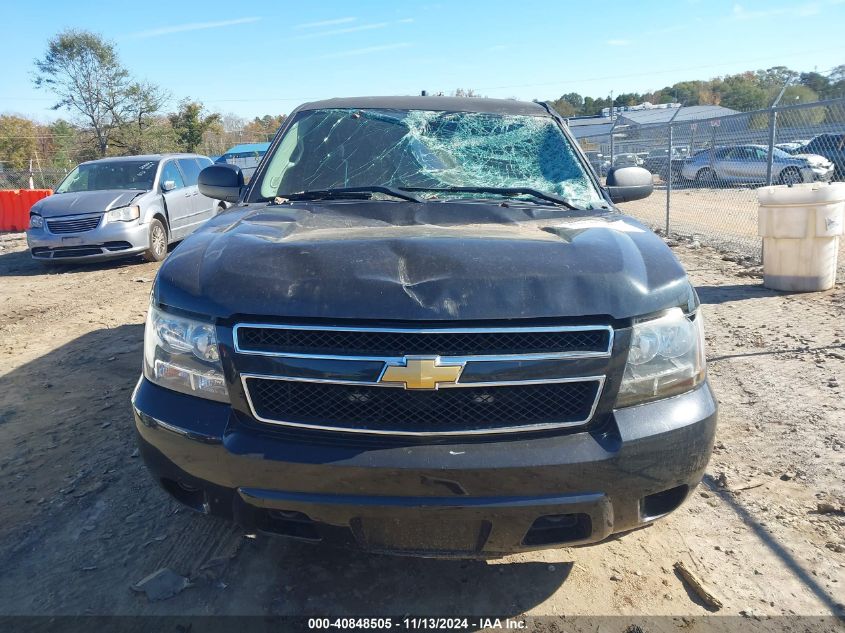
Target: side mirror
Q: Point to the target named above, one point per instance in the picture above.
(168, 185)
(625, 184)
(221, 182)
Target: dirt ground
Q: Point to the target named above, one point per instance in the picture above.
(82, 521)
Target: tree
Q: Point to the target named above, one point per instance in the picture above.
(816, 82)
(83, 70)
(265, 127)
(190, 123)
(140, 130)
(564, 108)
(64, 138)
(17, 141)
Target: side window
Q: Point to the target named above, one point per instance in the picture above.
(723, 153)
(171, 172)
(191, 169)
(203, 162)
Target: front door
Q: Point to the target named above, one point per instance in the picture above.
(177, 198)
(202, 208)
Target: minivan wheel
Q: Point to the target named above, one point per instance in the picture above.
(158, 242)
(791, 176)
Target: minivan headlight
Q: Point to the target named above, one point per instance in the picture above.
(182, 354)
(666, 358)
(36, 221)
(124, 214)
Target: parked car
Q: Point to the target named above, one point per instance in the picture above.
(116, 207)
(792, 147)
(749, 163)
(599, 162)
(246, 156)
(426, 339)
(832, 147)
(657, 162)
(627, 160)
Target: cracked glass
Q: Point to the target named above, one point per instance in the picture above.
(337, 148)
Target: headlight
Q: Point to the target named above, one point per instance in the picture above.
(124, 214)
(666, 358)
(182, 354)
(36, 221)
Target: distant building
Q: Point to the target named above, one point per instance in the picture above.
(637, 108)
(687, 113)
(582, 127)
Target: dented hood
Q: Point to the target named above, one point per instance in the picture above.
(79, 202)
(431, 261)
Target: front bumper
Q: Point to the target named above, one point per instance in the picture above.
(107, 241)
(475, 499)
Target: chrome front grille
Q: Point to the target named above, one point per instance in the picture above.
(73, 225)
(336, 378)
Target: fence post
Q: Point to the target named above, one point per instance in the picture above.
(669, 170)
(669, 179)
(773, 125)
(611, 141)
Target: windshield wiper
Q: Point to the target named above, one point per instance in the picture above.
(359, 193)
(503, 191)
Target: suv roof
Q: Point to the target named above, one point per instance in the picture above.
(447, 104)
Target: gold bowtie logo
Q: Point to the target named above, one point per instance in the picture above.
(422, 373)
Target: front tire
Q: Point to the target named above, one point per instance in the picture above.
(705, 177)
(790, 176)
(158, 242)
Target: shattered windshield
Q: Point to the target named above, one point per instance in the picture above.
(119, 174)
(339, 148)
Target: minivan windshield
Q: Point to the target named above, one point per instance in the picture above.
(118, 174)
(437, 150)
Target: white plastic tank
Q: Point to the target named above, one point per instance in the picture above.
(800, 226)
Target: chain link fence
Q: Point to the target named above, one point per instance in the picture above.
(707, 171)
(36, 179)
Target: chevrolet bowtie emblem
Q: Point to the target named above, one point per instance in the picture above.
(422, 373)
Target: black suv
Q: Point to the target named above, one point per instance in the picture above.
(425, 329)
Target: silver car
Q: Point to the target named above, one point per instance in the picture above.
(116, 207)
(749, 163)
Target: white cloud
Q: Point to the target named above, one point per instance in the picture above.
(351, 29)
(365, 51)
(322, 23)
(194, 26)
(618, 42)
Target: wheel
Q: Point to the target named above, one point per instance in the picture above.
(158, 242)
(705, 177)
(790, 176)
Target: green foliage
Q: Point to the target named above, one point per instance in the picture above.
(17, 142)
(190, 123)
(752, 90)
(264, 127)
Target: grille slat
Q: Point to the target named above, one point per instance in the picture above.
(399, 343)
(78, 225)
(444, 411)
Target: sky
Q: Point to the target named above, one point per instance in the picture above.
(256, 58)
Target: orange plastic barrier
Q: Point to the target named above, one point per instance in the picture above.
(15, 205)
